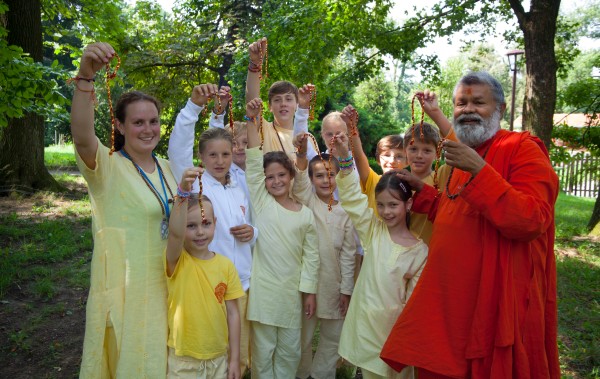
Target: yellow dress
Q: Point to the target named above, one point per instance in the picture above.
(128, 291)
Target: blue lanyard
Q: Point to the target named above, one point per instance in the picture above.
(165, 201)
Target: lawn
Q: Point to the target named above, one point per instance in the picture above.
(45, 253)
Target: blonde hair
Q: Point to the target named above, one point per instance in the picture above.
(239, 127)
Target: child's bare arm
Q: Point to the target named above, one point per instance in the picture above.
(253, 78)
(432, 109)
(360, 158)
(178, 219)
(301, 145)
(234, 326)
(253, 109)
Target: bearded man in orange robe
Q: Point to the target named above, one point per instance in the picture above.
(485, 305)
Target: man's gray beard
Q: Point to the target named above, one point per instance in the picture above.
(475, 135)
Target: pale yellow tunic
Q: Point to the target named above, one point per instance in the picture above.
(387, 278)
(127, 286)
(276, 138)
(336, 248)
(286, 258)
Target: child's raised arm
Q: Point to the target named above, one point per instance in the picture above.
(253, 109)
(302, 114)
(234, 326)
(178, 219)
(432, 109)
(360, 158)
(254, 66)
(95, 56)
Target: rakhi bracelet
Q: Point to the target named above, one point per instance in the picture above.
(253, 67)
(346, 166)
(350, 158)
(183, 194)
(248, 118)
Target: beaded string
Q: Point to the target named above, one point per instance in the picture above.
(412, 116)
(438, 158)
(231, 128)
(109, 76)
(258, 121)
(200, 198)
(327, 167)
(353, 129)
(264, 56)
(312, 104)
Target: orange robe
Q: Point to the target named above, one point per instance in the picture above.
(485, 306)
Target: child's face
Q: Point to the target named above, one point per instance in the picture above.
(239, 149)
(197, 234)
(322, 180)
(283, 107)
(391, 209)
(277, 180)
(392, 159)
(216, 158)
(420, 156)
(331, 128)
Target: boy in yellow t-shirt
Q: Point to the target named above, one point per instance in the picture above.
(204, 320)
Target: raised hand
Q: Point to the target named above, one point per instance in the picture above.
(188, 178)
(254, 51)
(304, 95)
(430, 101)
(253, 108)
(203, 92)
(301, 143)
(224, 96)
(95, 56)
(347, 114)
(340, 145)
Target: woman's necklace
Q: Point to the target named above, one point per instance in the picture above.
(461, 187)
(164, 202)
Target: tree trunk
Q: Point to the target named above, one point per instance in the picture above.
(22, 141)
(539, 29)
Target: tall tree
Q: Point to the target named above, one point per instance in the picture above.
(539, 30)
(22, 140)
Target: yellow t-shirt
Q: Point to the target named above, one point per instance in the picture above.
(198, 290)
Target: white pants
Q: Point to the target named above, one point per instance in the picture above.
(324, 363)
(183, 367)
(275, 351)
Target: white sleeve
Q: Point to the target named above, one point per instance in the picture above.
(181, 141)
(301, 126)
(217, 120)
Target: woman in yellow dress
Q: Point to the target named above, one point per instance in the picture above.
(131, 192)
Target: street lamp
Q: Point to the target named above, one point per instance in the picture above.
(512, 62)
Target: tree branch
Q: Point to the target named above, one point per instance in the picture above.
(178, 64)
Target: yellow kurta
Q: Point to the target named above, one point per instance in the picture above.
(336, 248)
(387, 278)
(127, 285)
(285, 257)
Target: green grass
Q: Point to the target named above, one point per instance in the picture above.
(59, 156)
(578, 270)
(47, 247)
